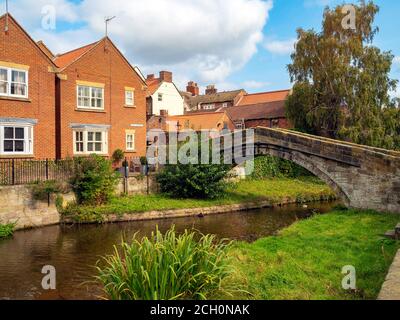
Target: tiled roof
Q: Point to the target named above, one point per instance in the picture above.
(264, 97)
(214, 98)
(270, 110)
(152, 86)
(199, 121)
(65, 59)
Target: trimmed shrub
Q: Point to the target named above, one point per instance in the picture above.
(165, 267)
(94, 180)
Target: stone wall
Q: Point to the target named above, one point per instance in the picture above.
(364, 177)
(17, 206)
(138, 184)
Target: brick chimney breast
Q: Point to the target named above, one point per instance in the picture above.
(211, 90)
(150, 77)
(166, 76)
(193, 88)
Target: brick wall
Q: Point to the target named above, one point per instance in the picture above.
(16, 47)
(103, 64)
(282, 123)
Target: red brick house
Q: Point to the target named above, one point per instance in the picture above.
(100, 102)
(270, 115)
(211, 101)
(27, 95)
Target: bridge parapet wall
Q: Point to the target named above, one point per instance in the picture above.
(364, 177)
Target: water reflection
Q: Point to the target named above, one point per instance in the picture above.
(74, 250)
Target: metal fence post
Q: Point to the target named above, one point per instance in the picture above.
(47, 169)
(13, 171)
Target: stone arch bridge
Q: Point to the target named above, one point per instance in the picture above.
(363, 177)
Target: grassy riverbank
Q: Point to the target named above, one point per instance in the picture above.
(305, 261)
(6, 230)
(274, 190)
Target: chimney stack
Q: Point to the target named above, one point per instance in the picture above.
(211, 90)
(150, 77)
(164, 113)
(166, 76)
(193, 88)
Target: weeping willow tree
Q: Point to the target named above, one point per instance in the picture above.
(342, 83)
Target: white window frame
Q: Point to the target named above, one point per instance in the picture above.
(9, 82)
(28, 138)
(85, 133)
(132, 102)
(133, 135)
(91, 88)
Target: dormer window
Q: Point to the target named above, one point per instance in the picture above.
(13, 82)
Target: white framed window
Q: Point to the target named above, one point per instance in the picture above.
(129, 98)
(160, 97)
(13, 82)
(208, 106)
(88, 141)
(16, 139)
(130, 140)
(90, 97)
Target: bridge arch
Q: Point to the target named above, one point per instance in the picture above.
(302, 161)
(363, 177)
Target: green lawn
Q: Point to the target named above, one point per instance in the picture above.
(304, 189)
(306, 259)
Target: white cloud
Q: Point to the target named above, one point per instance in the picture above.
(313, 3)
(204, 40)
(396, 60)
(252, 84)
(283, 47)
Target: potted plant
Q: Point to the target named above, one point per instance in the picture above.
(117, 157)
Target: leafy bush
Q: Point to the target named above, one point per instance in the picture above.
(94, 180)
(42, 190)
(197, 181)
(271, 167)
(6, 230)
(165, 267)
(193, 181)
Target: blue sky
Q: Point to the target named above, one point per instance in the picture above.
(230, 43)
(288, 15)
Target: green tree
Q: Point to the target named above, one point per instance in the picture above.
(342, 82)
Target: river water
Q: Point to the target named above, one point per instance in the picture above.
(74, 250)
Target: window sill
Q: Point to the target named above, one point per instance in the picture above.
(15, 99)
(15, 156)
(89, 110)
(129, 107)
(131, 151)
